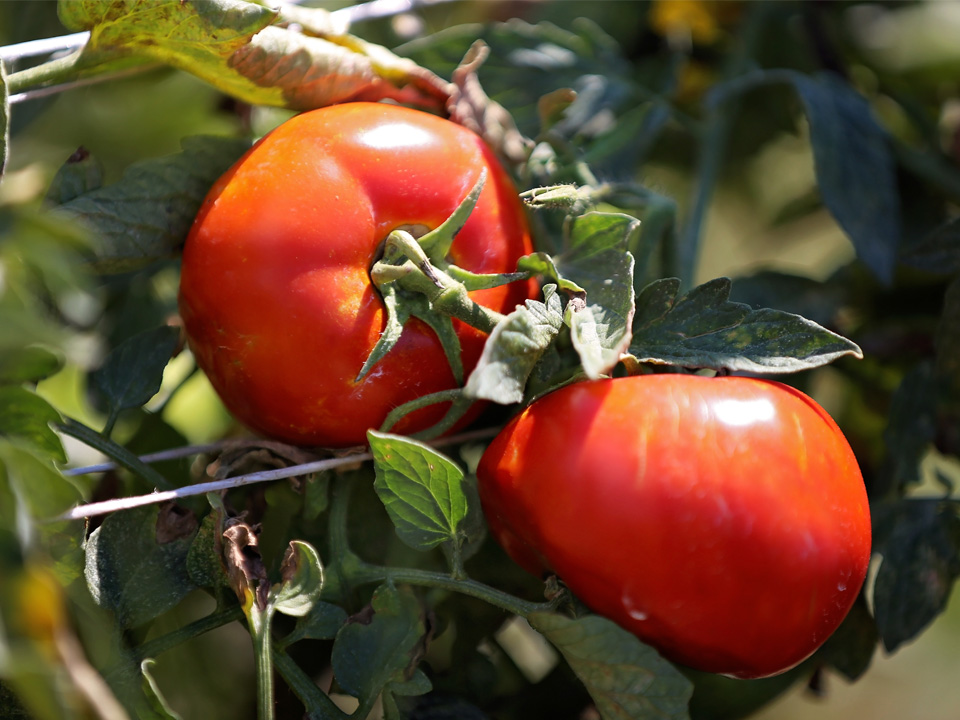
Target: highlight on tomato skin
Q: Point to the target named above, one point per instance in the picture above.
(724, 521)
(276, 295)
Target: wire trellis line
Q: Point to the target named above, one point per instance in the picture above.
(128, 503)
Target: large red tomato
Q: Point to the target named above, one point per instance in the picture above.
(275, 291)
(722, 520)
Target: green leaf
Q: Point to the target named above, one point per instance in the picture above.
(513, 349)
(703, 329)
(27, 364)
(797, 294)
(595, 256)
(851, 648)
(302, 580)
(204, 564)
(151, 691)
(911, 428)
(147, 214)
(27, 417)
(626, 679)
(379, 647)
(422, 490)
(137, 563)
(855, 168)
(919, 540)
(82, 173)
(322, 623)
(198, 36)
(35, 484)
(133, 371)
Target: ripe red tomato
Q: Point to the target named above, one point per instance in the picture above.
(275, 291)
(722, 520)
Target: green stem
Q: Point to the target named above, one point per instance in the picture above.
(259, 621)
(54, 71)
(713, 142)
(363, 573)
(169, 641)
(399, 412)
(312, 697)
(119, 454)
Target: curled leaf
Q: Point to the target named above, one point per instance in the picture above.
(245, 570)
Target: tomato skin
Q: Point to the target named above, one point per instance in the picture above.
(275, 292)
(722, 520)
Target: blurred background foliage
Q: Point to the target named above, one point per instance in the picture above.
(765, 217)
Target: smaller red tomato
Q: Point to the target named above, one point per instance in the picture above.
(722, 520)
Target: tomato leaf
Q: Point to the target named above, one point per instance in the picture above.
(26, 417)
(595, 256)
(381, 646)
(159, 708)
(322, 623)
(851, 648)
(703, 329)
(80, 174)
(130, 572)
(302, 580)
(513, 349)
(919, 539)
(146, 215)
(626, 679)
(855, 169)
(27, 364)
(422, 490)
(854, 164)
(814, 300)
(204, 563)
(131, 374)
(37, 489)
(309, 72)
(912, 427)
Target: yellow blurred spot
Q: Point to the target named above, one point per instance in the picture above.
(40, 608)
(693, 19)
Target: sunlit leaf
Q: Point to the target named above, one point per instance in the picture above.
(421, 489)
(301, 580)
(513, 349)
(27, 364)
(27, 417)
(595, 256)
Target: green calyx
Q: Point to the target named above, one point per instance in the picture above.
(415, 278)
